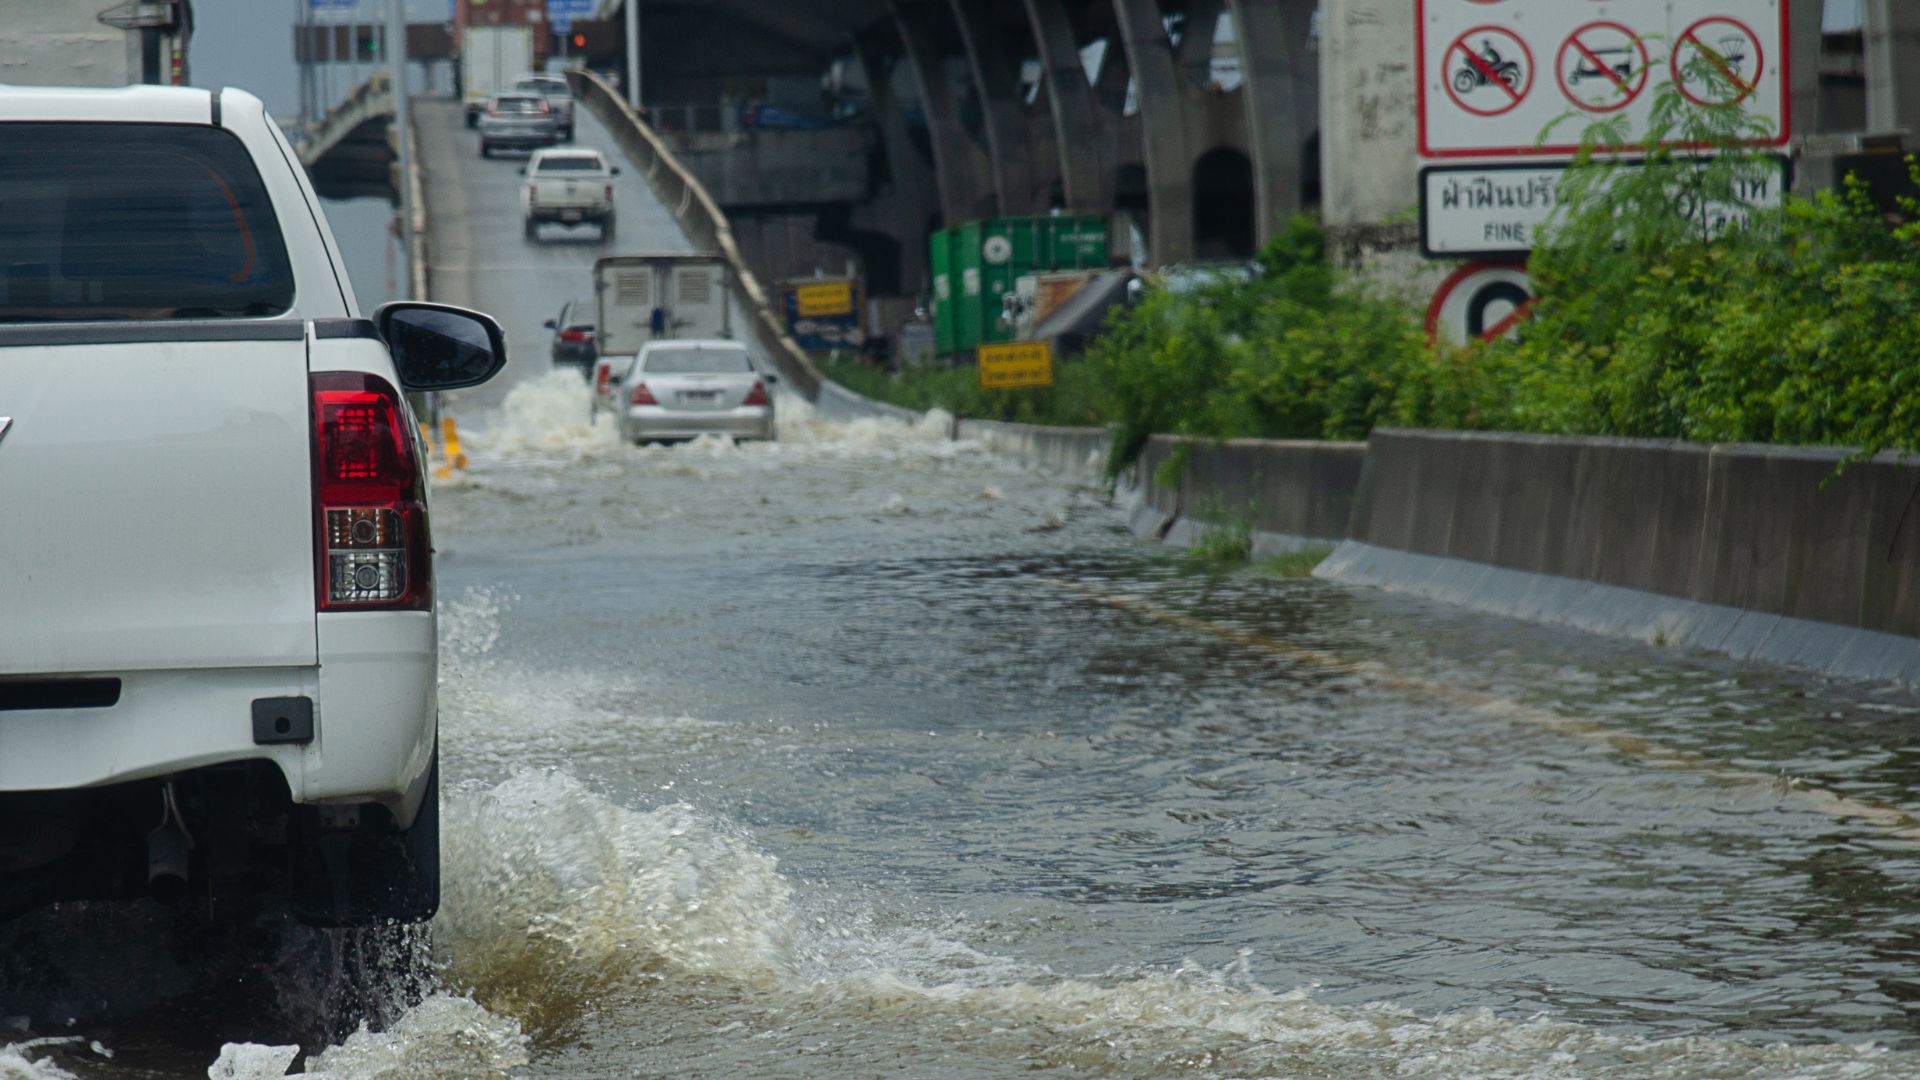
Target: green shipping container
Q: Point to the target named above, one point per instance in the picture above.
(1008, 249)
(965, 261)
(945, 302)
(977, 264)
(1076, 242)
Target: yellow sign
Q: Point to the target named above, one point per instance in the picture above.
(826, 298)
(1016, 364)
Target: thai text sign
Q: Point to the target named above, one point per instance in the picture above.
(1494, 211)
(1014, 364)
(1495, 75)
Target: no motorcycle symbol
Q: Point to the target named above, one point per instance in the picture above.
(1488, 71)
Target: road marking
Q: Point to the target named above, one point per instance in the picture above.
(1889, 818)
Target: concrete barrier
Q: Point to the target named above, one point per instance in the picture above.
(1294, 495)
(1079, 454)
(1755, 551)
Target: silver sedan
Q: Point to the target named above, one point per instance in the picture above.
(685, 389)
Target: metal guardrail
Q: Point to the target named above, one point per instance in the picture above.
(705, 225)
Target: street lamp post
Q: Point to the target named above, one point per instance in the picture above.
(402, 130)
(633, 53)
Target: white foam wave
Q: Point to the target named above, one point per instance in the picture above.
(547, 416)
(27, 1060)
(445, 1036)
(560, 901)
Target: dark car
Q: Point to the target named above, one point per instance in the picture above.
(573, 336)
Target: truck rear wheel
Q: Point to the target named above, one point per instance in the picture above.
(370, 872)
(606, 229)
(531, 230)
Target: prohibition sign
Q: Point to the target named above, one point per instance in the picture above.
(1498, 73)
(1598, 69)
(1731, 47)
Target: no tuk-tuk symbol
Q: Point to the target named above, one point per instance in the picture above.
(1488, 71)
(1603, 67)
(1732, 50)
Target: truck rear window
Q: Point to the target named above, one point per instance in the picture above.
(571, 163)
(135, 221)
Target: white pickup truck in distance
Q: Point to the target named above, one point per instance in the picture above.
(217, 631)
(568, 187)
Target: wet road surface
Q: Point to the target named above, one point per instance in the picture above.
(866, 754)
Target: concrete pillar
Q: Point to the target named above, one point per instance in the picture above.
(1195, 51)
(1024, 165)
(1368, 137)
(1164, 123)
(1081, 140)
(900, 209)
(1804, 95)
(963, 171)
(1273, 49)
(1893, 67)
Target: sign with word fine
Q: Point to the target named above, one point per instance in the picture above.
(1014, 364)
(1496, 211)
(1495, 76)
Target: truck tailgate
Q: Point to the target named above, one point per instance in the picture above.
(572, 194)
(155, 506)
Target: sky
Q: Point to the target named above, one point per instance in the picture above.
(248, 44)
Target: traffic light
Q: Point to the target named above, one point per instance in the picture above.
(579, 41)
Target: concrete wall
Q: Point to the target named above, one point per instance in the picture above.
(1295, 494)
(1754, 551)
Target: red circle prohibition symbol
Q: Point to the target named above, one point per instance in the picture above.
(1476, 72)
(1580, 59)
(1734, 66)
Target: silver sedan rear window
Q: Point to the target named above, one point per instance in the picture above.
(698, 362)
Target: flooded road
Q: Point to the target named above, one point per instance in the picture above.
(865, 753)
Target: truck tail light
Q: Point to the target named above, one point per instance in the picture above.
(609, 192)
(370, 521)
(757, 395)
(641, 395)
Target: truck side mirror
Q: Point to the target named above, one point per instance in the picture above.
(615, 170)
(439, 346)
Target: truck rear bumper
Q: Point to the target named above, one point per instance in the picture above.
(374, 703)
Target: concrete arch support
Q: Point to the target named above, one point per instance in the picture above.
(1081, 141)
(1273, 55)
(1893, 66)
(962, 170)
(1025, 166)
(1166, 122)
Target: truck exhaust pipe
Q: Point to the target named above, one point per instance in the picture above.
(168, 847)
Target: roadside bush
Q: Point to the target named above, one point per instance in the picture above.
(1661, 313)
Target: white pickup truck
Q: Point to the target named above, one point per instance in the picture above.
(217, 630)
(568, 187)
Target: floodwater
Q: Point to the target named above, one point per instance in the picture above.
(865, 753)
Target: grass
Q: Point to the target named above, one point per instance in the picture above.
(1295, 564)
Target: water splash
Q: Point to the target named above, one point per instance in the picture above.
(546, 416)
(557, 896)
(28, 1060)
